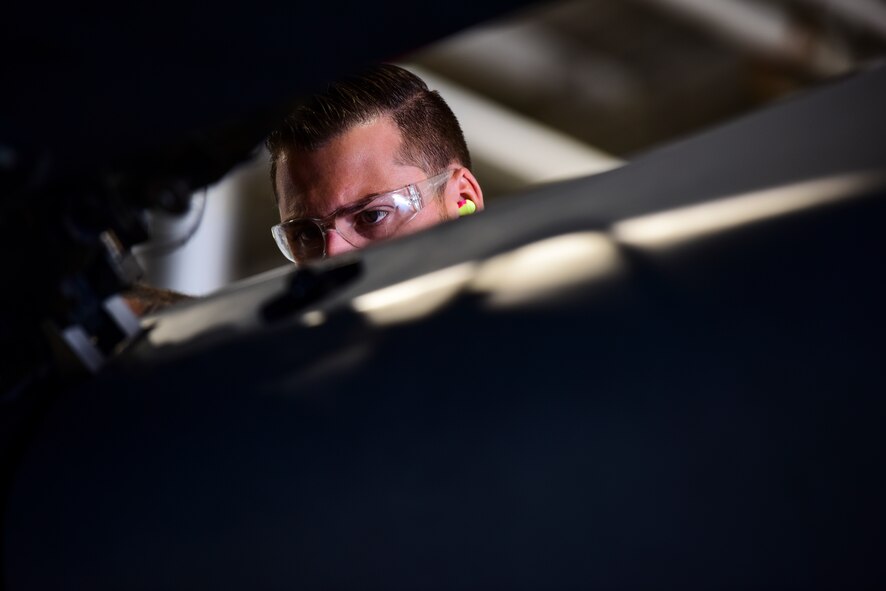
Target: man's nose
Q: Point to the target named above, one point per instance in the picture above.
(335, 244)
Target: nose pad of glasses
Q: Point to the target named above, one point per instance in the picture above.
(335, 242)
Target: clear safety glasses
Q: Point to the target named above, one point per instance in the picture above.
(375, 218)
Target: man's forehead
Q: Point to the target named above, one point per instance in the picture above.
(361, 162)
(318, 204)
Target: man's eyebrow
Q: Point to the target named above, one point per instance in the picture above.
(358, 204)
(347, 208)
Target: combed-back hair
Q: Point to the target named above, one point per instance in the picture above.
(431, 136)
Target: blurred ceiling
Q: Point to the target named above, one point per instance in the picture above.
(581, 81)
(623, 76)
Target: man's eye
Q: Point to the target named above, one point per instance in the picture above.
(370, 217)
(306, 234)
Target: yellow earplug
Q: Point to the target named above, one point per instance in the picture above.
(466, 207)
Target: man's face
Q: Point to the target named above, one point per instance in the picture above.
(354, 165)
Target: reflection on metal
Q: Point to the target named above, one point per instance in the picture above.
(330, 364)
(415, 298)
(527, 274)
(83, 346)
(535, 271)
(313, 318)
(670, 228)
(122, 315)
(177, 326)
(524, 149)
(181, 323)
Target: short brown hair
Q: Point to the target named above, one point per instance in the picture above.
(432, 137)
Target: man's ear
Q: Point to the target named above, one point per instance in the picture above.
(466, 188)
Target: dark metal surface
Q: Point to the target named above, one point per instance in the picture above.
(108, 110)
(96, 87)
(704, 416)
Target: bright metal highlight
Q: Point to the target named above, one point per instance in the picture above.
(527, 274)
(669, 228)
(535, 271)
(415, 298)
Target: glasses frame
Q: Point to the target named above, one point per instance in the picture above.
(416, 192)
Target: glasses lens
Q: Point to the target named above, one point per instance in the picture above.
(378, 219)
(305, 240)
